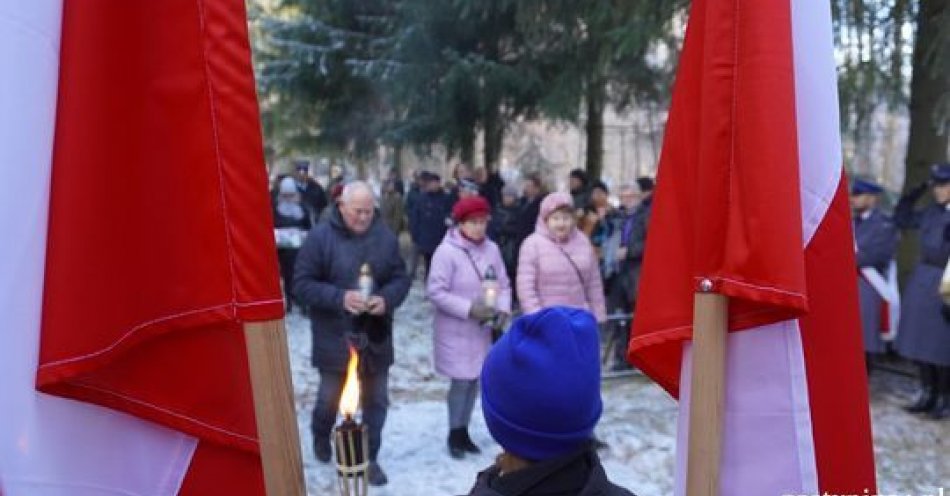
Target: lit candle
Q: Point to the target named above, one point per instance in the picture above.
(490, 288)
(365, 282)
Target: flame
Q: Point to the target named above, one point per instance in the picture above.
(349, 400)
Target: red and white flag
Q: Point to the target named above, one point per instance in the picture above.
(138, 239)
(751, 196)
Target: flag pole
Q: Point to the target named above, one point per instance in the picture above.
(274, 407)
(706, 393)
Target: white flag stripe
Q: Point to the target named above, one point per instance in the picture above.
(816, 108)
(52, 446)
(767, 415)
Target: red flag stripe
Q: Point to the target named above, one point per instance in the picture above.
(160, 239)
(836, 377)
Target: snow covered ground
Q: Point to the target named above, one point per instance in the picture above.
(639, 424)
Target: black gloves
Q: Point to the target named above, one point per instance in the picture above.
(918, 190)
(480, 311)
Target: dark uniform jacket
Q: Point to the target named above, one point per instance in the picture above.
(876, 237)
(923, 333)
(327, 266)
(577, 474)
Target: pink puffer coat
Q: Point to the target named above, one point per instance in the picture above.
(545, 275)
(461, 344)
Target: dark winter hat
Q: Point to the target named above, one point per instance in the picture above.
(471, 206)
(940, 173)
(430, 176)
(541, 384)
(302, 164)
(645, 184)
(865, 187)
(580, 175)
(598, 184)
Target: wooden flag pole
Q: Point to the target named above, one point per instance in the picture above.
(706, 396)
(274, 408)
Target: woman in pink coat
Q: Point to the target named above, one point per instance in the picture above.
(463, 319)
(557, 264)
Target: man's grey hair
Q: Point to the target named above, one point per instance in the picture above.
(352, 189)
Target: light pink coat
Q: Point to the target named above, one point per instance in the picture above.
(545, 275)
(460, 344)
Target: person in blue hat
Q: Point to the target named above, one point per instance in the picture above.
(541, 401)
(923, 334)
(876, 237)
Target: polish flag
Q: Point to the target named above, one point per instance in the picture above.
(751, 196)
(137, 241)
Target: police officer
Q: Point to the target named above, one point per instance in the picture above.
(876, 237)
(924, 330)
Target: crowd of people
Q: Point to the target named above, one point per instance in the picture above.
(492, 254)
(489, 253)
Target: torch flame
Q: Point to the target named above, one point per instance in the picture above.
(349, 400)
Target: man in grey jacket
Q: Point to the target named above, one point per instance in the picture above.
(326, 280)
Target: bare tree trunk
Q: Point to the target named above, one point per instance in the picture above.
(397, 159)
(595, 129)
(361, 172)
(930, 81)
(467, 147)
(494, 139)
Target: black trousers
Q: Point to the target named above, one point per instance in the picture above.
(286, 258)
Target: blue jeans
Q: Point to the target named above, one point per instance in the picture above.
(374, 401)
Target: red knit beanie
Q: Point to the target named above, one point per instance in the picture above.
(468, 207)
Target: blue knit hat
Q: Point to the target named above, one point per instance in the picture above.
(541, 384)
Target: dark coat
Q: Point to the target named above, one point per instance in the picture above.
(287, 256)
(427, 219)
(412, 201)
(327, 266)
(393, 210)
(923, 334)
(633, 236)
(876, 238)
(314, 198)
(282, 221)
(503, 230)
(528, 217)
(577, 474)
(580, 198)
(491, 189)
